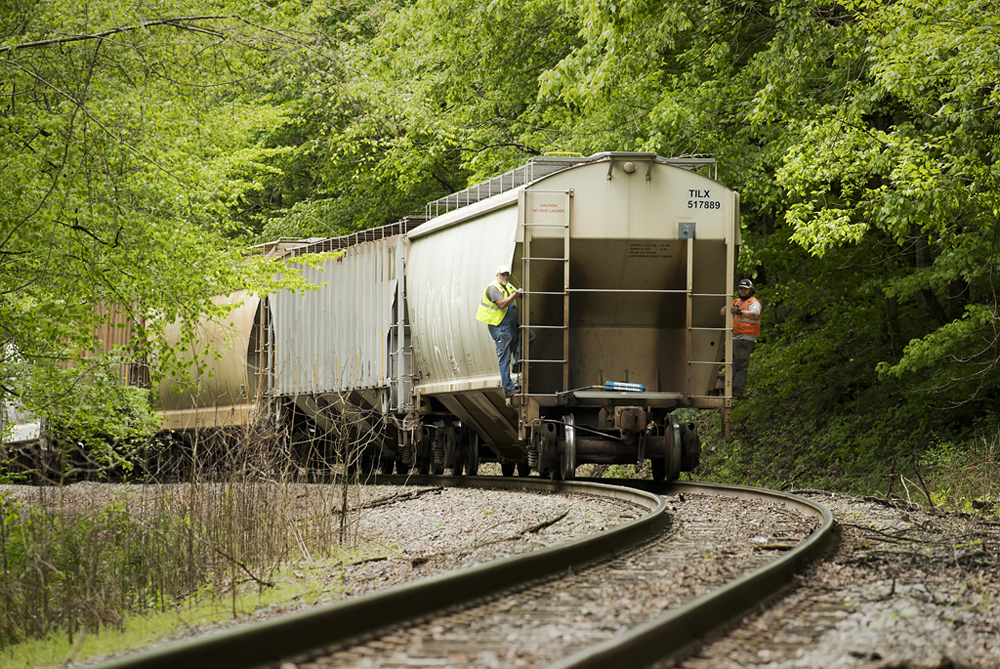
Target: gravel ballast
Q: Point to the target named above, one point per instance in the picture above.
(906, 588)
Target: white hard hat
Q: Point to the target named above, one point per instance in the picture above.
(503, 269)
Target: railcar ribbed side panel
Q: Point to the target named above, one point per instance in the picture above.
(335, 339)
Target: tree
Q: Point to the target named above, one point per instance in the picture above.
(401, 104)
(124, 144)
(906, 160)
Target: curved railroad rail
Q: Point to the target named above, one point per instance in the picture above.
(271, 642)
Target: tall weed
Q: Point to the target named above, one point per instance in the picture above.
(964, 477)
(241, 512)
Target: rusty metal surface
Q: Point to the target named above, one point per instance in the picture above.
(223, 394)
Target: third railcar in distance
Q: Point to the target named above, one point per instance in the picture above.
(625, 259)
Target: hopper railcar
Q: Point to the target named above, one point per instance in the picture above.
(625, 260)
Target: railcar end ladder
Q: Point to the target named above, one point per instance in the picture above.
(527, 258)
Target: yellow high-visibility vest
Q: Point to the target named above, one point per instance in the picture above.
(490, 313)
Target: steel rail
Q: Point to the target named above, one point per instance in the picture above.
(272, 641)
(680, 628)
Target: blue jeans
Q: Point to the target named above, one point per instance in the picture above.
(507, 337)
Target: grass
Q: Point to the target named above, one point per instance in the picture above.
(157, 561)
(294, 586)
(956, 475)
(242, 532)
(963, 477)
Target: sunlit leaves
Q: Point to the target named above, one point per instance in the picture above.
(904, 161)
(124, 147)
(850, 178)
(907, 148)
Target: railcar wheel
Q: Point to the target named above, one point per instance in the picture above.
(507, 468)
(676, 447)
(523, 468)
(386, 464)
(691, 447)
(659, 468)
(471, 460)
(423, 465)
(567, 460)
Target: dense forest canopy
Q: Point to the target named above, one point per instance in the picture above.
(144, 145)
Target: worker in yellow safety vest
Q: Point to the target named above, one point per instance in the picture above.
(498, 309)
(746, 310)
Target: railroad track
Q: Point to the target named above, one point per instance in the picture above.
(575, 605)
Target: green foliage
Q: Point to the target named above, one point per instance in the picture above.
(57, 567)
(67, 569)
(123, 148)
(862, 137)
(435, 94)
(905, 159)
(962, 476)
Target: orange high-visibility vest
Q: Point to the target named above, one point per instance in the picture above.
(743, 325)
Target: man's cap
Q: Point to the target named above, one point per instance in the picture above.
(503, 269)
(745, 283)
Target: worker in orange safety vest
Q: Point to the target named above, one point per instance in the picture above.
(746, 310)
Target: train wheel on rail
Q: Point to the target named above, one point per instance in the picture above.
(470, 457)
(507, 468)
(659, 468)
(386, 464)
(691, 447)
(523, 468)
(567, 460)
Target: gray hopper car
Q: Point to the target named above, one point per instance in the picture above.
(625, 259)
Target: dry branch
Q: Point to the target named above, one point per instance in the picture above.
(177, 22)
